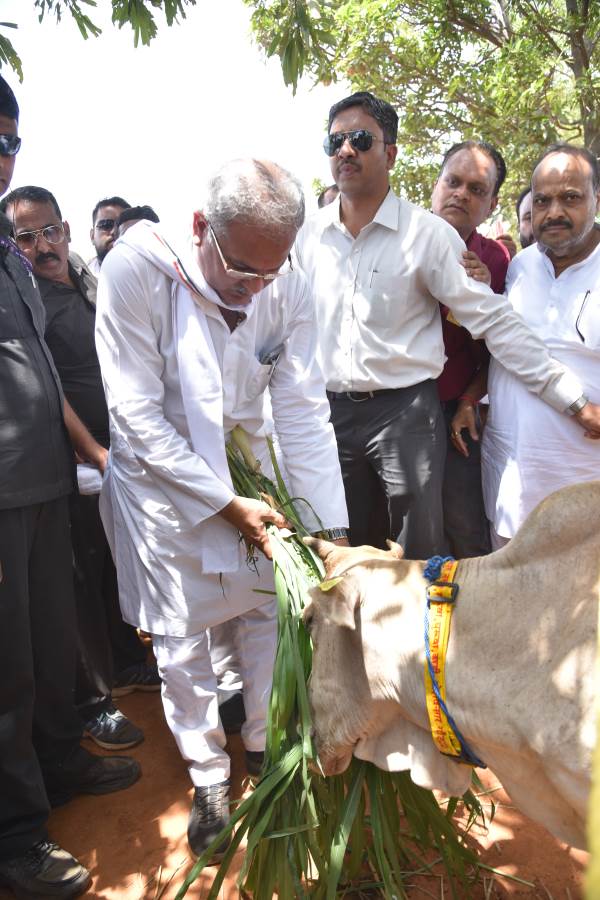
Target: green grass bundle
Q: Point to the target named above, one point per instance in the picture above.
(307, 835)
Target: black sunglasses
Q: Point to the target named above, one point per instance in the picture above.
(361, 139)
(105, 224)
(10, 144)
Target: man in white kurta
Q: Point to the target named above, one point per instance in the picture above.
(188, 345)
(529, 450)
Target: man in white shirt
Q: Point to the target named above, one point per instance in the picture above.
(529, 449)
(188, 345)
(378, 267)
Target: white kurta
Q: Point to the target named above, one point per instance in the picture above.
(529, 450)
(164, 496)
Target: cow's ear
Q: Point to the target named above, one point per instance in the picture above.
(395, 549)
(331, 554)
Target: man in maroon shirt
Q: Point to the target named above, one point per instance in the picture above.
(464, 195)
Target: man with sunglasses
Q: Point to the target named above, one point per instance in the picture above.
(529, 450)
(378, 267)
(41, 760)
(188, 343)
(105, 230)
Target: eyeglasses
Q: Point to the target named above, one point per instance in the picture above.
(284, 269)
(361, 139)
(10, 144)
(105, 224)
(53, 234)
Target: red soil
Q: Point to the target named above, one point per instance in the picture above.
(134, 842)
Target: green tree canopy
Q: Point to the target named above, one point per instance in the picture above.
(518, 73)
(137, 13)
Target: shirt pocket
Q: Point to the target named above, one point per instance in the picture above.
(255, 379)
(380, 302)
(587, 319)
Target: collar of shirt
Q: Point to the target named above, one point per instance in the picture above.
(387, 215)
(547, 262)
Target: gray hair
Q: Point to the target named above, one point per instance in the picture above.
(255, 192)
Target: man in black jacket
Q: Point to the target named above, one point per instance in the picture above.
(41, 760)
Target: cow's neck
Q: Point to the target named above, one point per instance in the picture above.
(394, 646)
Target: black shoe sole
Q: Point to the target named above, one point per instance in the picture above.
(74, 889)
(59, 798)
(217, 855)
(108, 746)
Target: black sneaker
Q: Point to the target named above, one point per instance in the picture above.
(233, 714)
(45, 870)
(141, 677)
(208, 815)
(254, 762)
(89, 774)
(111, 730)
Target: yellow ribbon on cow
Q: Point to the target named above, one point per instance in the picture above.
(440, 619)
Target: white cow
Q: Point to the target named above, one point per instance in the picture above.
(520, 674)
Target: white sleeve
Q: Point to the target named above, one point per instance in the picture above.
(301, 414)
(132, 367)
(490, 316)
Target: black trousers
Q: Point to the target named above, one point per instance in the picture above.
(465, 522)
(392, 449)
(39, 725)
(106, 644)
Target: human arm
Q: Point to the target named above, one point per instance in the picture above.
(134, 311)
(508, 242)
(302, 415)
(464, 416)
(490, 316)
(250, 518)
(84, 445)
(589, 419)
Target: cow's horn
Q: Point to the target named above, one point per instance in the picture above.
(395, 549)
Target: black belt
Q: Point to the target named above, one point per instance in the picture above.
(360, 396)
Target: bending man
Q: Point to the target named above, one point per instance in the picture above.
(187, 347)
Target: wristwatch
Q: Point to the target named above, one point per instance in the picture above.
(333, 534)
(577, 406)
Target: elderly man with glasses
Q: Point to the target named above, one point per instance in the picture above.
(189, 342)
(379, 267)
(106, 644)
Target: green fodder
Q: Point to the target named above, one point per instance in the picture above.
(308, 836)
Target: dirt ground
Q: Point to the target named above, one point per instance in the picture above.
(134, 843)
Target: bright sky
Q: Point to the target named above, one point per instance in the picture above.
(99, 117)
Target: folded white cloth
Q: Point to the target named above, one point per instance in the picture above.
(89, 479)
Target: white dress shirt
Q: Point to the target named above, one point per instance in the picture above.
(93, 265)
(377, 304)
(528, 449)
(163, 495)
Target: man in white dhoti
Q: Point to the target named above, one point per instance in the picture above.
(188, 344)
(529, 450)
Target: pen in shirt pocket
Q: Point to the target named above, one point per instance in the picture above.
(371, 276)
(578, 319)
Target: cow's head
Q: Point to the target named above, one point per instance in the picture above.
(344, 699)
